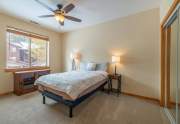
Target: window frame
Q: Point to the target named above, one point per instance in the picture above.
(29, 35)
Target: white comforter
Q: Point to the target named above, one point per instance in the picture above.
(73, 83)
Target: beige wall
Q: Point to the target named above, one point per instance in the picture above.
(135, 38)
(165, 5)
(6, 79)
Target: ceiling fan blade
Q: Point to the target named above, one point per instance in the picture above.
(46, 16)
(73, 18)
(44, 5)
(61, 23)
(69, 7)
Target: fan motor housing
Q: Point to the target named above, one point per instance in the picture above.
(60, 6)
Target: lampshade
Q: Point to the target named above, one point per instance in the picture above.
(115, 59)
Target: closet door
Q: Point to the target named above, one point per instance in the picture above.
(173, 66)
(170, 65)
(172, 42)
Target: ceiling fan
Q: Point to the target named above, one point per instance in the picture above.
(60, 13)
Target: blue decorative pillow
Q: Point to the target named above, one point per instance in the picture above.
(101, 67)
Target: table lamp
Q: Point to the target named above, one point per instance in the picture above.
(75, 58)
(115, 60)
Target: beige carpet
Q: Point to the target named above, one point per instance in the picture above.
(98, 109)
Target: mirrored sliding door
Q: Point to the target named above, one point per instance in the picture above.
(171, 101)
(171, 35)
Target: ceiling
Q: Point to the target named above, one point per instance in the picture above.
(90, 11)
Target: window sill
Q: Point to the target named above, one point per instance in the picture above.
(25, 69)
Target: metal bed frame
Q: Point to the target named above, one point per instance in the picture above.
(69, 103)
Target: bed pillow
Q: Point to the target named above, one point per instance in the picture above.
(91, 66)
(83, 66)
(101, 67)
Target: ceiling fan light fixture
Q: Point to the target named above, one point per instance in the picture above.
(59, 17)
(60, 14)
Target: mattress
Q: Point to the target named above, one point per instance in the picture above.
(72, 85)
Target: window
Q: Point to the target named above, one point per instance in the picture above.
(26, 50)
(38, 52)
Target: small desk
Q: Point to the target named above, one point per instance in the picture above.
(116, 77)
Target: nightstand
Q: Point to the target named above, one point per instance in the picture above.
(116, 77)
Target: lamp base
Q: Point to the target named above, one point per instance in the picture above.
(115, 73)
(73, 65)
(115, 70)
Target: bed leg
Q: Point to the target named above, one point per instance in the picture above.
(44, 99)
(70, 112)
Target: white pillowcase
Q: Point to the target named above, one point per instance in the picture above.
(91, 66)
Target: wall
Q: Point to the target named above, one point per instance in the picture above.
(135, 38)
(6, 79)
(165, 5)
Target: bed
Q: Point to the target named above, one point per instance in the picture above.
(71, 88)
